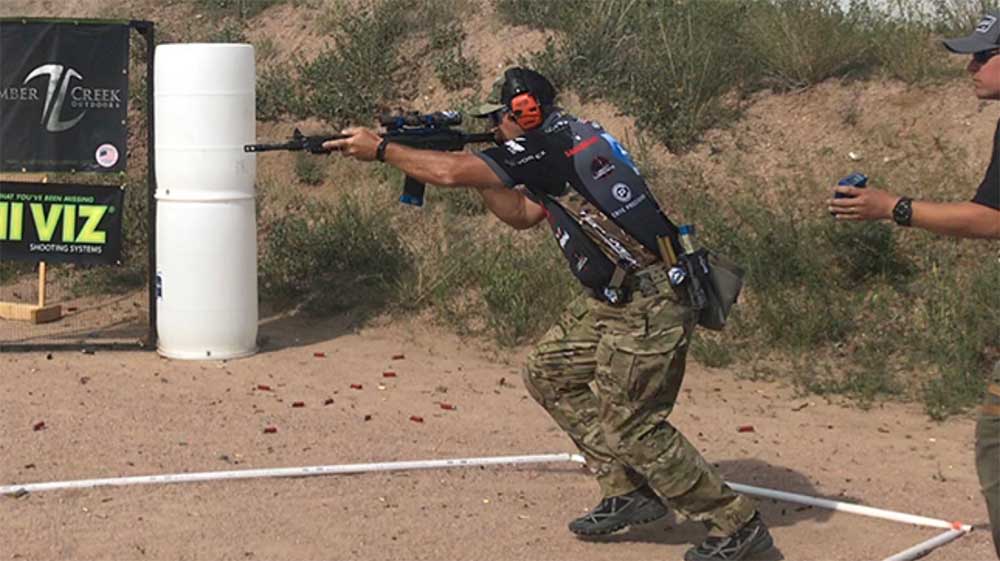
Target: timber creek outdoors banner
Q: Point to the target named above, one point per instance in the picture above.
(57, 222)
(63, 95)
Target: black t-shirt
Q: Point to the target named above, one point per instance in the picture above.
(989, 190)
(543, 160)
(524, 161)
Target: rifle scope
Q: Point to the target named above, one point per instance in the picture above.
(415, 119)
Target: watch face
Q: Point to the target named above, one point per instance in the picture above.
(903, 212)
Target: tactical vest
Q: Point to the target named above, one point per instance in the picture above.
(601, 170)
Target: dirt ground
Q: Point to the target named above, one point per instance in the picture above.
(113, 414)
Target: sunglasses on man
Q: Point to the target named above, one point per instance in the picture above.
(982, 57)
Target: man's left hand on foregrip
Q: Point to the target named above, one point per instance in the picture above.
(360, 143)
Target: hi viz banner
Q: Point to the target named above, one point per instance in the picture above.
(67, 223)
(63, 95)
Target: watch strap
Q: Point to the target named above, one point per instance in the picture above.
(380, 151)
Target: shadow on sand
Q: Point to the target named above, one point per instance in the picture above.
(284, 329)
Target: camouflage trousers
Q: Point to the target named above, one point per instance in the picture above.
(609, 376)
(988, 453)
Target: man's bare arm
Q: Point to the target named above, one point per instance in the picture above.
(965, 219)
(512, 206)
(463, 169)
(446, 169)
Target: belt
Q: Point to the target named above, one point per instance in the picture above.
(651, 281)
(648, 281)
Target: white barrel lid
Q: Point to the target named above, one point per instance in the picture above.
(204, 69)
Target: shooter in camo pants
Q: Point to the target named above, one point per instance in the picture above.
(634, 356)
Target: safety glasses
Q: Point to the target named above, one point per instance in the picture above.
(982, 57)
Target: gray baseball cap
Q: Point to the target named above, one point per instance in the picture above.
(985, 37)
(492, 103)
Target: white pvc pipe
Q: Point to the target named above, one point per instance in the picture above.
(289, 472)
(955, 529)
(851, 507)
(921, 549)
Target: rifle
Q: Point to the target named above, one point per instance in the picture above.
(425, 131)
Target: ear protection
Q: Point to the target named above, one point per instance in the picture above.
(524, 106)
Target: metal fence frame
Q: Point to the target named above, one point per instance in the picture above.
(146, 29)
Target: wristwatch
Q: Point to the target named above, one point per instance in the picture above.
(902, 213)
(380, 151)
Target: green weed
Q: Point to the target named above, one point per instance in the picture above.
(230, 32)
(241, 9)
(960, 331)
(332, 256)
(681, 67)
(711, 350)
(453, 68)
(351, 82)
(797, 43)
(277, 94)
(522, 290)
(11, 270)
(309, 168)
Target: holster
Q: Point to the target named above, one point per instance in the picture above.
(714, 284)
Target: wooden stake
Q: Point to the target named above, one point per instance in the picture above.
(27, 312)
(24, 177)
(41, 284)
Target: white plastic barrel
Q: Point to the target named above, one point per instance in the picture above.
(206, 244)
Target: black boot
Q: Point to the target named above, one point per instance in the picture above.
(752, 538)
(614, 513)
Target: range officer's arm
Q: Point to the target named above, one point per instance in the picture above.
(965, 219)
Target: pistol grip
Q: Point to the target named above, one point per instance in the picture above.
(413, 192)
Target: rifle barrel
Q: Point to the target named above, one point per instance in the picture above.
(302, 142)
(270, 147)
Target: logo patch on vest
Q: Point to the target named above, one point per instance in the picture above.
(581, 147)
(513, 147)
(601, 167)
(620, 152)
(562, 236)
(621, 192)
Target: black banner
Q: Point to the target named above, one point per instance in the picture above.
(63, 96)
(67, 223)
